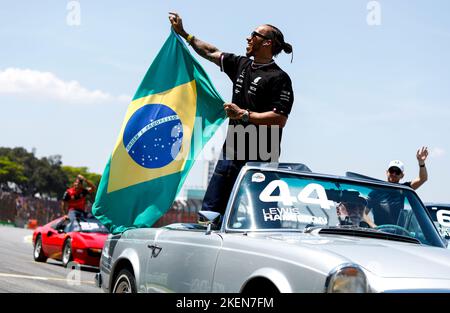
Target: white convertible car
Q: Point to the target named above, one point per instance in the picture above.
(287, 229)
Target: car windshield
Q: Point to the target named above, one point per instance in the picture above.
(89, 225)
(271, 200)
(440, 214)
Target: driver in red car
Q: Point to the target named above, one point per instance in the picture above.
(74, 199)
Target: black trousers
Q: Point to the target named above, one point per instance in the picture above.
(222, 182)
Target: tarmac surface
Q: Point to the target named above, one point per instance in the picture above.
(21, 274)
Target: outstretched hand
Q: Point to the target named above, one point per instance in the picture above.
(177, 24)
(422, 155)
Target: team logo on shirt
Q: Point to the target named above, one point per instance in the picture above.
(254, 85)
(256, 81)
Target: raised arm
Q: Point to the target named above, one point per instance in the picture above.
(203, 49)
(422, 155)
(91, 187)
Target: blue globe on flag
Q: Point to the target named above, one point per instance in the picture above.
(153, 136)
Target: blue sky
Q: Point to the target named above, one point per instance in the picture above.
(363, 94)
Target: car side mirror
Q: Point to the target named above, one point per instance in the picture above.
(60, 231)
(209, 218)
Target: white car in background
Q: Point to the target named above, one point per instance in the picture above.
(440, 214)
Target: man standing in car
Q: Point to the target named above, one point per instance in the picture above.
(395, 171)
(74, 199)
(262, 101)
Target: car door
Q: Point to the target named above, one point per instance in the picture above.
(48, 238)
(182, 261)
(55, 238)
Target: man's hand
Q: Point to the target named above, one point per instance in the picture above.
(422, 155)
(177, 24)
(233, 111)
(204, 49)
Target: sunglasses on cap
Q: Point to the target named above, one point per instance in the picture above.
(395, 170)
(256, 34)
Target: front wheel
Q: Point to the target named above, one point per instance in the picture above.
(38, 252)
(67, 253)
(125, 282)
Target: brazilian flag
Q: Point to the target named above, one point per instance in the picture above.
(173, 114)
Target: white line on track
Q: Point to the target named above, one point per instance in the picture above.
(28, 238)
(41, 278)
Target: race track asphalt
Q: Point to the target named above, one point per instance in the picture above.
(20, 273)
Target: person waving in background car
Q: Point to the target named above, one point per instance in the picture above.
(388, 206)
(261, 103)
(396, 169)
(74, 199)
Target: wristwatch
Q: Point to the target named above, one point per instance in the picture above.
(245, 116)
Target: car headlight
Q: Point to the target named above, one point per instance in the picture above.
(105, 249)
(347, 278)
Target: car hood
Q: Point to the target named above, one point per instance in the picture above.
(384, 258)
(91, 240)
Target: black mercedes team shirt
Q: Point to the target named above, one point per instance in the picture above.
(257, 88)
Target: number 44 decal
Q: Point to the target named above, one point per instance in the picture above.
(304, 196)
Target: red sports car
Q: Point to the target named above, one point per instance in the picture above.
(79, 240)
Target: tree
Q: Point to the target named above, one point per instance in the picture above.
(50, 180)
(10, 173)
(37, 176)
(45, 176)
(30, 165)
